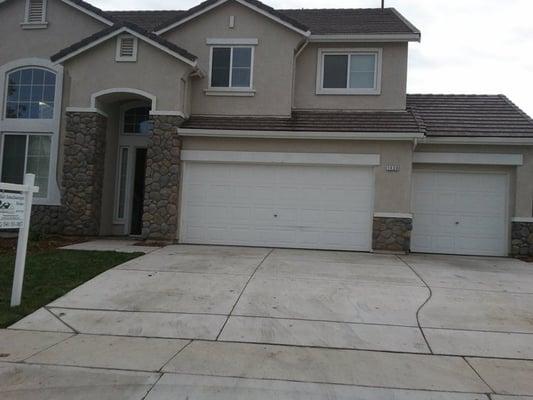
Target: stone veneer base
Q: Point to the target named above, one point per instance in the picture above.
(522, 239)
(161, 194)
(392, 234)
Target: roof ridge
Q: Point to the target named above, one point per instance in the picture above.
(518, 109)
(117, 26)
(334, 8)
(418, 119)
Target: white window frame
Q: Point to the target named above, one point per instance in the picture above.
(376, 90)
(27, 135)
(34, 25)
(241, 89)
(36, 126)
(119, 57)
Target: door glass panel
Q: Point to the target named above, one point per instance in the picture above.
(122, 182)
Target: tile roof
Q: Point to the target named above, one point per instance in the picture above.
(254, 3)
(88, 40)
(315, 121)
(432, 115)
(471, 115)
(352, 21)
(318, 21)
(148, 20)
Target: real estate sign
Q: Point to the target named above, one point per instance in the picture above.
(11, 210)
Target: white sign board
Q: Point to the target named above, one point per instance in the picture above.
(15, 212)
(11, 210)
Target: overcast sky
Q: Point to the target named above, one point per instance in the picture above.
(468, 46)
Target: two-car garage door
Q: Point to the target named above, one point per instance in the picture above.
(301, 206)
(460, 213)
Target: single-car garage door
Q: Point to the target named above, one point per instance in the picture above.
(460, 213)
(300, 206)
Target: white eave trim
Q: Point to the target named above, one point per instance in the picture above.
(88, 12)
(400, 37)
(522, 219)
(468, 158)
(486, 140)
(300, 134)
(392, 215)
(133, 33)
(231, 41)
(242, 2)
(280, 158)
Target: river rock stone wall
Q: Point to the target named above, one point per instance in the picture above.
(83, 172)
(522, 239)
(392, 234)
(161, 196)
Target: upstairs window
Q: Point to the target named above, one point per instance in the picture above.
(35, 15)
(231, 67)
(30, 94)
(349, 72)
(126, 48)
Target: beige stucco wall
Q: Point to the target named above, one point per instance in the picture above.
(66, 26)
(155, 72)
(393, 80)
(273, 60)
(392, 188)
(521, 181)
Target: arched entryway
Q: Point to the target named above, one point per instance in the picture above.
(129, 128)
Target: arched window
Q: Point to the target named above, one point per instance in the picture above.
(30, 93)
(137, 121)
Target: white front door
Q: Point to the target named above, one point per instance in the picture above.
(460, 213)
(325, 207)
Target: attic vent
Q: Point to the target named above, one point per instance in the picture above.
(127, 48)
(35, 13)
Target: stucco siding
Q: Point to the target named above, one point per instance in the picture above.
(154, 72)
(393, 80)
(66, 25)
(273, 60)
(392, 193)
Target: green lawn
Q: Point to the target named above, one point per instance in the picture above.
(49, 275)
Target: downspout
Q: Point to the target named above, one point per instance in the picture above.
(299, 50)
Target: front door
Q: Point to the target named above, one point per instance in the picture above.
(131, 167)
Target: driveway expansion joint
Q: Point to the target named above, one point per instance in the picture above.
(242, 291)
(422, 305)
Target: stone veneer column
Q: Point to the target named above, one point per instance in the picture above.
(83, 172)
(392, 234)
(522, 239)
(161, 195)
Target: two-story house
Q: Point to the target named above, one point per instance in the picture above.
(235, 123)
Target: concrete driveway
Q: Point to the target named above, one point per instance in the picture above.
(200, 322)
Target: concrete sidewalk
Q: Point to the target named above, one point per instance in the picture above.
(204, 322)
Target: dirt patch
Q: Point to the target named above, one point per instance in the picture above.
(152, 243)
(40, 244)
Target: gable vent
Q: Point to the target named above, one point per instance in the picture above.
(127, 48)
(35, 11)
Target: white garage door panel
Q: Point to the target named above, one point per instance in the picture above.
(459, 213)
(327, 207)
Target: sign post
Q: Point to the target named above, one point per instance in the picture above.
(15, 212)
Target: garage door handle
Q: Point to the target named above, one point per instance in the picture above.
(456, 222)
(275, 215)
